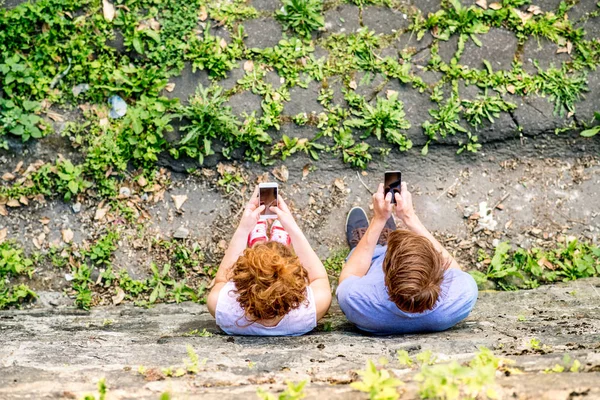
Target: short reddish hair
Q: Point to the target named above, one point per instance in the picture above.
(413, 270)
(269, 281)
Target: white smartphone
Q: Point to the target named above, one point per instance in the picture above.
(267, 196)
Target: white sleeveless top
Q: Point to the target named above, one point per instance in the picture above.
(232, 320)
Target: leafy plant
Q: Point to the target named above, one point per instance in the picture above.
(386, 117)
(378, 383)
(101, 251)
(141, 132)
(302, 16)
(71, 181)
(563, 88)
(102, 390)
(453, 381)
(105, 157)
(209, 119)
(485, 107)
(214, 54)
(528, 268)
(12, 261)
(21, 121)
(81, 284)
(594, 130)
(294, 391)
(288, 146)
(21, 81)
(159, 282)
(15, 296)
(193, 362)
(288, 58)
(471, 146)
(196, 332)
(404, 358)
(133, 81)
(335, 262)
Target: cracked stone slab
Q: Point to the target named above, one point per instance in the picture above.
(498, 46)
(45, 352)
(585, 109)
(266, 5)
(384, 19)
(186, 83)
(246, 102)
(535, 114)
(303, 100)
(262, 33)
(427, 6)
(342, 19)
(544, 52)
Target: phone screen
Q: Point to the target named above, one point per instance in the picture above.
(392, 182)
(268, 197)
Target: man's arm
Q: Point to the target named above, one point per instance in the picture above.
(406, 212)
(360, 261)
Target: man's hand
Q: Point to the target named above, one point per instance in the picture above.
(404, 205)
(251, 213)
(382, 205)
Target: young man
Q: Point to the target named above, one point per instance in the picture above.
(400, 281)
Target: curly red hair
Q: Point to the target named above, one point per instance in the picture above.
(269, 281)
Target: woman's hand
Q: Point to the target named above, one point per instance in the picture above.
(382, 205)
(404, 205)
(284, 215)
(251, 213)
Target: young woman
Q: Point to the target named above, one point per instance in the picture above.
(269, 286)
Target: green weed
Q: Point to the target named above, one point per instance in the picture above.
(21, 120)
(14, 263)
(302, 16)
(386, 118)
(294, 391)
(214, 54)
(453, 381)
(590, 132)
(102, 390)
(141, 133)
(334, 263)
(528, 268)
(378, 383)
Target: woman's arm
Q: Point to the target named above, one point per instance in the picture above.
(317, 276)
(236, 248)
(360, 260)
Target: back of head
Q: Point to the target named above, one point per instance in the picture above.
(269, 280)
(413, 270)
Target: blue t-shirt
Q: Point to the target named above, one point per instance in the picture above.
(366, 302)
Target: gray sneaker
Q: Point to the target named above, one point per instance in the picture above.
(356, 226)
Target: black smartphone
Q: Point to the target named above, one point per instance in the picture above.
(392, 183)
(267, 196)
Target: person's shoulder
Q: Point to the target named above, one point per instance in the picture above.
(461, 281)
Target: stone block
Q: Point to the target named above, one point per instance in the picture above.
(498, 46)
(342, 19)
(303, 100)
(544, 51)
(384, 19)
(262, 33)
(186, 83)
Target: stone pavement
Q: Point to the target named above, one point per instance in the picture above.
(61, 353)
